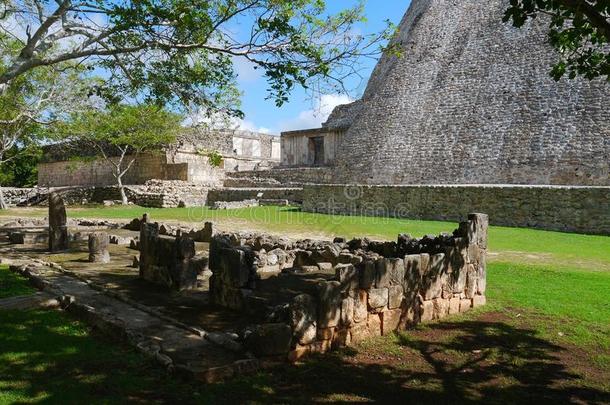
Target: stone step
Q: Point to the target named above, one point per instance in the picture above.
(180, 349)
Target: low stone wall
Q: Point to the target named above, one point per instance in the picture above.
(165, 260)
(14, 196)
(331, 294)
(293, 195)
(279, 177)
(558, 208)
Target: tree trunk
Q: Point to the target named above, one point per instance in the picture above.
(3, 205)
(124, 199)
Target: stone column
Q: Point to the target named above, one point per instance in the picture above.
(58, 230)
(98, 247)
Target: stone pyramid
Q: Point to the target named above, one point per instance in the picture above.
(471, 101)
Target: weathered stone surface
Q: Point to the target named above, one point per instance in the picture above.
(477, 229)
(359, 332)
(361, 306)
(471, 282)
(395, 296)
(454, 306)
(374, 324)
(390, 321)
(58, 230)
(441, 308)
(436, 277)
(478, 301)
(427, 311)
(272, 339)
(165, 260)
(98, 247)
(325, 333)
(341, 338)
(303, 318)
(465, 304)
(329, 304)
(347, 311)
(368, 274)
(378, 298)
(348, 277)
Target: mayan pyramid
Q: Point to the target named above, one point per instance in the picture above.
(471, 101)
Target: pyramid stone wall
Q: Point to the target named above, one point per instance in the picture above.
(471, 101)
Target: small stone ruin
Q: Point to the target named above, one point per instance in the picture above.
(310, 296)
(58, 228)
(98, 247)
(166, 260)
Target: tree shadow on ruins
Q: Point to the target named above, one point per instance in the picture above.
(449, 362)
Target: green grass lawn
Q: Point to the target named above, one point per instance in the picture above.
(12, 285)
(588, 251)
(549, 339)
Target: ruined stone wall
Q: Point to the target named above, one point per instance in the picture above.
(471, 102)
(15, 195)
(279, 177)
(99, 172)
(293, 195)
(349, 291)
(559, 208)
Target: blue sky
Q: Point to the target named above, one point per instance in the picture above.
(302, 112)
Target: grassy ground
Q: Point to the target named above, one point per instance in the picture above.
(557, 248)
(544, 336)
(12, 285)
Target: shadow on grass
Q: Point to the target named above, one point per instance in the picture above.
(451, 362)
(46, 357)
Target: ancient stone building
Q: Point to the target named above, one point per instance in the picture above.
(470, 101)
(186, 160)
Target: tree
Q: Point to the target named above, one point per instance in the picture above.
(579, 30)
(32, 101)
(121, 133)
(182, 52)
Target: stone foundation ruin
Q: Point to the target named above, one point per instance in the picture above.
(311, 296)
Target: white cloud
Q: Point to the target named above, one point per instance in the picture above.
(221, 121)
(314, 117)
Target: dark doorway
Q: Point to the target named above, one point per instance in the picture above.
(316, 151)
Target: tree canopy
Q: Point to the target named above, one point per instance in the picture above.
(181, 52)
(579, 30)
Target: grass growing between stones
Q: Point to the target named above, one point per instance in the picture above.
(13, 285)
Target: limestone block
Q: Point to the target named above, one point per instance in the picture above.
(471, 282)
(341, 338)
(359, 332)
(361, 306)
(303, 258)
(98, 247)
(58, 230)
(427, 311)
(326, 267)
(478, 301)
(320, 346)
(477, 229)
(271, 339)
(368, 274)
(465, 304)
(329, 304)
(436, 277)
(389, 272)
(454, 305)
(481, 268)
(441, 308)
(390, 321)
(378, 298)
(347, 311)
(303, 318)
(348, 277)
(374, 324)
(325, 333)
(345, 258)
(395, 296)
